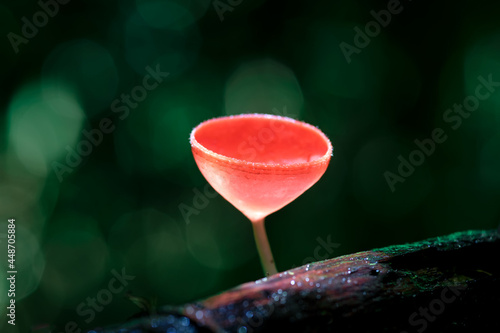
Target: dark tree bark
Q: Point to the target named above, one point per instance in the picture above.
(449, 283)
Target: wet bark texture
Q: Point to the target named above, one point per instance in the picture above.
(449, 283)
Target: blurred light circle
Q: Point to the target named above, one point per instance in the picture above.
(151, 242)
(212, 242)
(143, 226)
(40, 127)
(263, 86)
(203, 245)
(29, 263)
(481, 59)
(85, 67)
(22, 202)
(154, 139)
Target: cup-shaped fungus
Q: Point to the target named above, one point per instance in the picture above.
(260, 163)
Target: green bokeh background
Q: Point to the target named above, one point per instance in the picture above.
(119, 207)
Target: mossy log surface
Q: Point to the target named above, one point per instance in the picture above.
(449, 283)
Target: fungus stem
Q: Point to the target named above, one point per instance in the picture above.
(266, 256)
